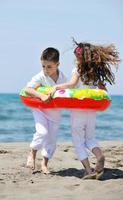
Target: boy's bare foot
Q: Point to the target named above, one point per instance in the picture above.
(44, 164)
(30, 162)
(31, 159)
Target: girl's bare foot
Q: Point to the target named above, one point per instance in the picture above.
(91, 175)
(100, 164)
(100, 167)
(99, 175)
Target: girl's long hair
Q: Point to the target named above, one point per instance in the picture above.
(96, 62)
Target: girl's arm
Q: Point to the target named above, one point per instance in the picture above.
(70, 84)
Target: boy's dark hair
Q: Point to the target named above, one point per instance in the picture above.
(50, 54)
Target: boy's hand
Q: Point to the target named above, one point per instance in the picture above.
(45, 98)
(52, 92)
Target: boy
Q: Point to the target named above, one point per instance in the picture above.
(46, 120)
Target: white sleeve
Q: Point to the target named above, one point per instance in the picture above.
(35, 81)
(64, 79)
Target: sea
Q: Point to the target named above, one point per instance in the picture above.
(17, 123)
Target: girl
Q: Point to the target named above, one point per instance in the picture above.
(92, 71)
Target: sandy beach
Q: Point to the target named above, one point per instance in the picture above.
(65, 180)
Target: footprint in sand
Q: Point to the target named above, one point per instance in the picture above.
(3, 151)
(66, 150)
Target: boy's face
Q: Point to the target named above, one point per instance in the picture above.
(50, 68)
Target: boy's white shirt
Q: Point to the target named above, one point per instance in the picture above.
(42, 79)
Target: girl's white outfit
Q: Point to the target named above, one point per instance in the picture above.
(83, 127)
(46, 120)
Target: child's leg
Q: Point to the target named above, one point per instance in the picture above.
(91, 142)
(49, 145)
(41, 126)
(100, 159)
(39, 137)
(86, 165)
(78, 119)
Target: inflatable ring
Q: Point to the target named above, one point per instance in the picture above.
(95, 99)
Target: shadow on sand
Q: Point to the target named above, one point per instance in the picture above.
(108, 173)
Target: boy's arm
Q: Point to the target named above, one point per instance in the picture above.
(32, 85)
(33, 93)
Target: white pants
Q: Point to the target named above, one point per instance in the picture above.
(46, 133)
(83, 132)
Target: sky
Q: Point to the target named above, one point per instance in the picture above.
(27, 27)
